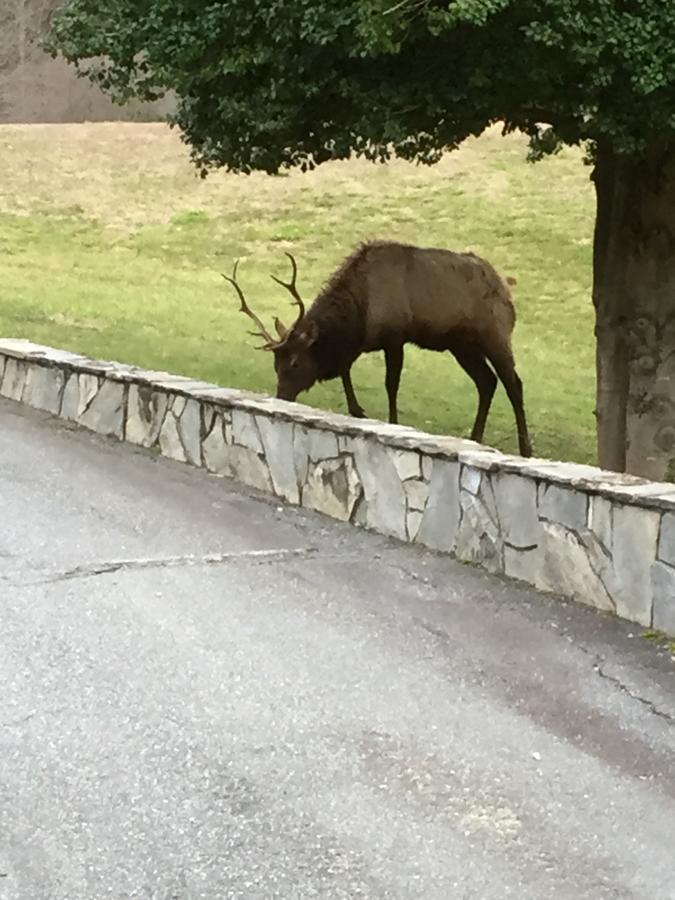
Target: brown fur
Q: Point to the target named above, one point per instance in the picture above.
(387, 294)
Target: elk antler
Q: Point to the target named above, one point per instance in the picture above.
(292, 289)
(245, 308)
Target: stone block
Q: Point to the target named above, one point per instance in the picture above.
(600, 520)
(408, 465)
(170, 442)
(663, 589)
(382, 488)
(14, 379)
(667, 539)
(245, 431)
(277, 439)
(333, 488)
(413, 522)
(417, 494)
(322, 444)
(564, 506)
(525, 565)
(105, 413)
(438, 529)
(301, 438)
(575, 565)
(80, 390)
(470, 479)
(146, 409)
(249, 468)
(634, 537)
(516, 500)
(3, 360)
(189, 429)
(71, 397)
(427, 467)
(478, 535)
(44, 387)
(215, 452)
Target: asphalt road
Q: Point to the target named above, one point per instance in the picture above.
(205, 695)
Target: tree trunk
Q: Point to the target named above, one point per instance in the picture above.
(634, 298)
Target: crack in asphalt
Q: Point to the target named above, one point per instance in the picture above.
(649, 704)
(111, 567)
(94, 570)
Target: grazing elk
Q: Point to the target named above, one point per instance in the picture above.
(386, 295)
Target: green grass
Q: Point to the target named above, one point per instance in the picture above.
(110, 245)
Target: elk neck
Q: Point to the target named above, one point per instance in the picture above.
(340, 324)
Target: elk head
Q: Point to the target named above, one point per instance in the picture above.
(294, 361)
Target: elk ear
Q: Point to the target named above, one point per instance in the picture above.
(282, 331)
(310, 334)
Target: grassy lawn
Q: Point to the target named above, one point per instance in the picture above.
(110, 245)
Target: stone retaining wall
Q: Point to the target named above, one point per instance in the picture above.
(596, 537)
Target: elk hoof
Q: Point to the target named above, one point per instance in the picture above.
(358, 413)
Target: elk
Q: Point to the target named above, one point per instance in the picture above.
(385, 295)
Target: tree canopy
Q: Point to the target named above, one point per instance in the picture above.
(270, 84)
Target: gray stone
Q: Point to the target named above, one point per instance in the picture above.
(634, 538)
(562, 505)
(382, 488)
(248, 468)
(106, 412)
(277, 439)
(333, 488)
(170, 443)
(146, 409)
(3, 360)
(301, 453)
(667, 539)
(43, 388)
(470, 479)
(178, 403)
(525, 565)
(215, 452)
(600, 520)
(344, 443)
(516, 500)
(408, 465)
(427, 467)
(573, 565)
(413, 522)
(360, 514)
(322, 445)
(245, 431)
(208, 418)
(71, 397)
(417, 494)
(478, 535)
(663, 588)
(441, 516)
(17, 347)
(88, 386)
(14, 379)
(189, 429)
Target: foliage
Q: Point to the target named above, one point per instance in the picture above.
(270, 84)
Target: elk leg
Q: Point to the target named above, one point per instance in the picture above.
(393, 357)
(473, 363)
(353, 405)
(505, 367)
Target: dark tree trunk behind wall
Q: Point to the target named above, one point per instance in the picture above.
(634, 298)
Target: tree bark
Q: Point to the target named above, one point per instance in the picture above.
(634, 298)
